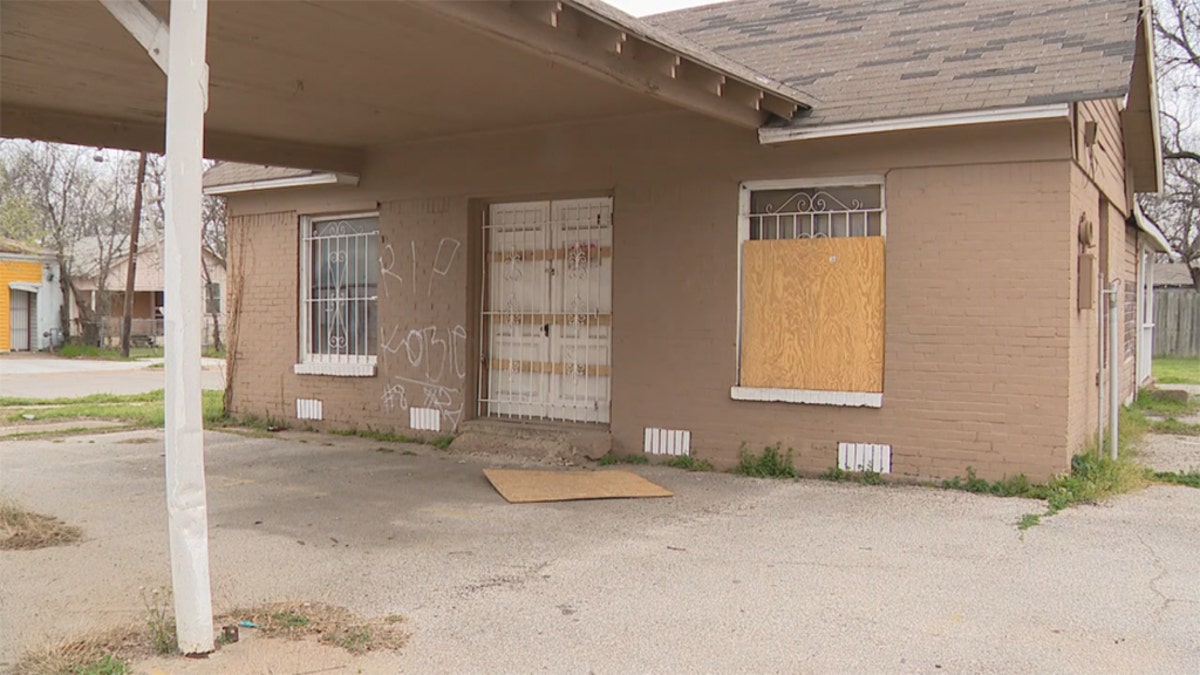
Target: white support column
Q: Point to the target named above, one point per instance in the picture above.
(187, 501)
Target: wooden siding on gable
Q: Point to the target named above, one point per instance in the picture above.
(1104, 160)
(812, 314)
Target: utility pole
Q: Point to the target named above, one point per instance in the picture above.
(131, 268)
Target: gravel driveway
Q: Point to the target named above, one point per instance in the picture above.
(730, 575)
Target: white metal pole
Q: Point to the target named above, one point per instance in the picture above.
(1101, 338)
(1114, 371)
(187, 502)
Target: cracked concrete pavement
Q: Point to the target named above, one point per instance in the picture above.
(730, 575)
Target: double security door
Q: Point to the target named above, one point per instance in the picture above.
(547, 310)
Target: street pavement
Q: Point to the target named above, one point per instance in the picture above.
(46, 376)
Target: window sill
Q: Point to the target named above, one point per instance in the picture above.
(856, 399)
(335, 369)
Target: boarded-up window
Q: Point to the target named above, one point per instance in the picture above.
(813, 289)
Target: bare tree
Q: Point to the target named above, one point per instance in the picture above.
(1177, 209)
(79, 206)
(213, 248)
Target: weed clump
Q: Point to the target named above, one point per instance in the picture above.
(25, 530)
(770, 464)
(611, 459)
(688, 463)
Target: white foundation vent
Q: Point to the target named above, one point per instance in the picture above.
(424, 419)
(864, 457)
(309, 409)
(668, 441)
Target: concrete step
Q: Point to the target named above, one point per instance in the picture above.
(534, 440)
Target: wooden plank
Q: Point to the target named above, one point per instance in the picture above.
(535, 319)
(535, 255)
(813, 313)
(500, 366)
(522, 487)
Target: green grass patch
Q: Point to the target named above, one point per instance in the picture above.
(210, 353)
(688, 463)
(105, 665)
(1091, 478)
(1190, 478)
(1158, 402)
(290, 619)
(1176, 371)
(611, 459)
(1174, 427)
(441, 442)
(148, 397)
(770, 464)
(80, 351)
(140, 410)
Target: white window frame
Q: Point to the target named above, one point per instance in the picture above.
(808, 396)
(320, 364)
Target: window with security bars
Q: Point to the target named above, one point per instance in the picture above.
(817, 212)
(340, 272)
(812, 292)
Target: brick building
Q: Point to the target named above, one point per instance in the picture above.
(860, 230)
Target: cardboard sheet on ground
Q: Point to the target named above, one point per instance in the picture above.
(521, 487)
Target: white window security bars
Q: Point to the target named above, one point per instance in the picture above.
(815, 212)
(546, 315)
(340, 272)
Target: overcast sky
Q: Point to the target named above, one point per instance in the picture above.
(644, 7)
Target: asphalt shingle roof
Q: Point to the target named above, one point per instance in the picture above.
(865, 60)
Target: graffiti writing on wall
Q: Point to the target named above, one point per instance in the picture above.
(427, 364)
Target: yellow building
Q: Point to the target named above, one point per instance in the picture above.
(30, 297)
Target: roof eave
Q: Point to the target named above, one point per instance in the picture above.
(769, 136)
(323, 178)
(602, 41)
(1139, 117)
(1151, 230)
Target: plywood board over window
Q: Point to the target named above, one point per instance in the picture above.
(813, 314)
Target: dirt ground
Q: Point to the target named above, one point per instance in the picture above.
(730, 575)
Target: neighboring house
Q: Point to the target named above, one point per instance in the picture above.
(1173, 275)
(1176, 312)
(147, 323)
(861, 230)
(30, 297)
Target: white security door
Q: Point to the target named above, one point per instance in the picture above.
(547, 315)
(19, 320)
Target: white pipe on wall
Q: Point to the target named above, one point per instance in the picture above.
(1114, 370)
(1100, 341)
(187, 500)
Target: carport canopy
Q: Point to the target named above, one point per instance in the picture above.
(315, 85)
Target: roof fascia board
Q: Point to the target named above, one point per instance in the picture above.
(278, 183)
(1147, 25)
(1145, 225)
(572, 36)
(1018, 114)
